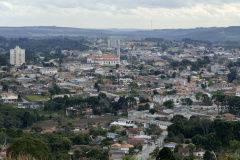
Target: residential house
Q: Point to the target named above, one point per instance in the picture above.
(194, 78)
(218, 69)
(199, 152)
(125, 80)
(29, 105)
(175, 98)
(159, 64)
(183, 151)
(123, 147)
(221, 87)
(8, 97)
(116, 154)
(228, 116)
(170, 145)
(134, 114)
(47, 131)
(149, 116)
(100, 71)
(237, 92)
(123, 122)
(47, 70)
(143, 142)
(112, 135)
(162, 124)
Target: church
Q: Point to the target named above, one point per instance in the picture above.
(104, 59)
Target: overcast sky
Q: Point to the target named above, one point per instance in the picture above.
(120, 13)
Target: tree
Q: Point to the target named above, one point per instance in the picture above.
(152, 110)
(77, 154)
(96, 85)
(117, 66)
(138, 146)
(168, 104)
(207, 155)
(191, 148)
(187, 101)
(206, 100)
(189, 79)
(155, 92)
(176, 128)
(235, 145)
(131, 101)
(59, 118)
(205, 124)
(154, 129)
(190, 157)
(198, 95)
(28, 148)
(232, 76)
(123, 133)
(203, 86)
(165, 154)
(179, 118)
(36, 129)
(27, 119)
(5, 87)
(127, 157)
(174, 75)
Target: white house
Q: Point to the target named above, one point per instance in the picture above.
(47, 70)
(9, 98)
(125, 80)
(162, 124)
(218, 69)
(134, 114)
(175, 98)
(199, 153)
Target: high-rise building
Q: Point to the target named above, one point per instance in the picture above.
(17, 56)
(113, 43)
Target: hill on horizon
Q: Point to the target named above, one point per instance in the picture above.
(220, 34)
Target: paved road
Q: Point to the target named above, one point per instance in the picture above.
(145, 153)
(159, 142)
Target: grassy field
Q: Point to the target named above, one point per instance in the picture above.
(76, 122)
(36, 97)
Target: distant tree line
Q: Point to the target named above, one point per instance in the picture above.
(44, 45)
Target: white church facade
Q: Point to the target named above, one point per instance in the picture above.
(104, 59)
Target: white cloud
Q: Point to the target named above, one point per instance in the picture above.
(120, 13)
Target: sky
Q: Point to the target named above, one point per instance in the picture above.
(104, 14)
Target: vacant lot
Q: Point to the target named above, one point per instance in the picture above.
(36, 97)
(78, 122)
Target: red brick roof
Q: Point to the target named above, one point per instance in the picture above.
(183, 150)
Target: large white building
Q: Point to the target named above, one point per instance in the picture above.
(104, 59)
(17, 56)
(47, 70)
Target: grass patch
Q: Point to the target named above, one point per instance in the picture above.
(216, 93)
(36, 97)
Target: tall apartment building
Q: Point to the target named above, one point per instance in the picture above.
(17, 56)
(112, 43)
